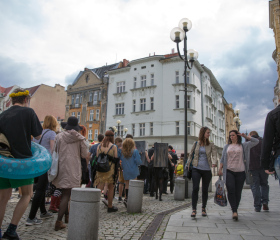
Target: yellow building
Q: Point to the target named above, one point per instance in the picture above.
(229, 115)
(274, 24)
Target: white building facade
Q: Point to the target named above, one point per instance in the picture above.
(148, 97)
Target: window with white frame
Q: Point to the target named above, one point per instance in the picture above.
(99, 95)
(206, 111)
(177, 101)
(119, 108)
(90, 97)
(176, 76)
(189, 128)
(91, 113)
(143, 81)
(142, 129)
(135, 82)
(73, 99)
(151, 128)
(177, 128)
(81, 98)
(188, 77)
(152, 79)
(77, 99)
(120, 87)
(79, 116)
(95, 96)
(188, 101)
(143, 104)
(133, 129)
(134, 106)
(97, 114)
(95, 134)
(73, 114)
(152, 103)
(90, 134)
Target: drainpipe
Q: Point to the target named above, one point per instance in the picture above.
(202, 102)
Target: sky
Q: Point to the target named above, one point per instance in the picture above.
(50, 41)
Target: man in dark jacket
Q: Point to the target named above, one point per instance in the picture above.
(271, 142)
(150, 171)
(259, 186)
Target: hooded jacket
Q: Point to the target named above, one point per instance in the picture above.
(71, 147)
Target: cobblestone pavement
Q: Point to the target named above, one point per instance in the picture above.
(118, 225)
(218, 225)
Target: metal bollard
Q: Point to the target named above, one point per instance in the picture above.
(135, 196)
(84, 214)
(179, 193)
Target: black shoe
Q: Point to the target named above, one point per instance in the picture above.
(257, 210)
(120, 199)
(11, 237)
(160, 199)
(152, 195)
(112, 209)
(265, 207)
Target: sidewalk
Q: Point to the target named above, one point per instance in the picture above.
(218, 225)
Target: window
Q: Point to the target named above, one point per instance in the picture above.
(176, 76)
(151, 128)
(143, 67)
(188, 77)
(74, 114)
(90, 97)
(152, 79)
(73, 99)
(142, 129)
(143, 81)
(99, 95)
(79, 117)
(133, 129)
(206, 111)
(119, 108)
(143, 104)
(121, 130)
(188, 101)
(90, 134)
(152, 103)
(95, 97)
(97, 114)
(177, 101)
(134, 106)
(135, 82)
(120, 87)
(81, 98)
(95, 134)
(77, 99)
(189, 128)
(177, 128)
(91, 113)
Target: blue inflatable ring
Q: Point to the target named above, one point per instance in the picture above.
(25, 168)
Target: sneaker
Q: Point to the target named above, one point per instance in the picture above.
(35, 221)
(265, 207)
(105, 202)
(112, 209)
(125, 202)
(46, 215)
(120, 199)
(11, 236)
(257, 210)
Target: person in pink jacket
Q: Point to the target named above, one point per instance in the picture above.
(70, 146)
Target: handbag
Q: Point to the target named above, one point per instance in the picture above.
(189, 169)
(53, 171)
(220, 194)
(103, 163)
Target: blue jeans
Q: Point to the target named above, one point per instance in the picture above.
(277, 167)
(260, 188)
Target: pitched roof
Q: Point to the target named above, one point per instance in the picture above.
(100, 72)
(32, 90)
(5, 91)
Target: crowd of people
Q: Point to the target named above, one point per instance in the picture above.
(111, 163)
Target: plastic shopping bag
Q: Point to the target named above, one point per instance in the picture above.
(220, 195)
(53, 171)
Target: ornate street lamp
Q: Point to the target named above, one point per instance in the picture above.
(177, 35)
(237, 120)
(119, 122)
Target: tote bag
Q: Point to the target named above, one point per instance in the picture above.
(53, 171)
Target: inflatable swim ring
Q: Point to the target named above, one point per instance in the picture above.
(24, 168)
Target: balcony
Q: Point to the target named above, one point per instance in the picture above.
(73, 106)
(93, 104)
(119, 94)
(209, 97)
(143, 88)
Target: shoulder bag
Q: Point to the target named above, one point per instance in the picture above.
(189, 169)
(103, 163)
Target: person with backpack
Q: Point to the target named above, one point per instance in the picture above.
(205, 157)
(259, 186)
(107, 168)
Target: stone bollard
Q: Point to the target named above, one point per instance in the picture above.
(84, 214)
(135, 196)
(190, 188)
(179, 193)
(210, 186)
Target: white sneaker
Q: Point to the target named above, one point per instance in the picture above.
(46, 215)
(35, 221)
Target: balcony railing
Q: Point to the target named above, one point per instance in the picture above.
(94, 104)
(72, 106)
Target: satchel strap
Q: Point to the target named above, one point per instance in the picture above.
(43, 136)
(193, 152)
(108, 150)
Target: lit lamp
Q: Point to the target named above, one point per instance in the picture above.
(237, 120)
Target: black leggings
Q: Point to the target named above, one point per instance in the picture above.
(39, 197)
(64, 208)
(234, 183)
(206, 176)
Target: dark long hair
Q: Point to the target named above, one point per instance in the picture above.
(109, 138)
(239, 139)
(201, 137)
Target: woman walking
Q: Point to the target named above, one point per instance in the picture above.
(70, 146)
(205, 157)
(47, 140)
(130, 160)
(108, 148)
(233, 166)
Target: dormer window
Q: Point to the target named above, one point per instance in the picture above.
(87, 78)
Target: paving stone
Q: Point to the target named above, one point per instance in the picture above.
(212, 230)
(224, 237)
(241, 231)
(192, 236)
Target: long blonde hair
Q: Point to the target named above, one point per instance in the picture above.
(50, 122)
(128, 146)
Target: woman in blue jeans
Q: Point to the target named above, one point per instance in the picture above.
(234, 168)
(205, 156)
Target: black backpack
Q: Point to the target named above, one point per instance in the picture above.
(103, 163)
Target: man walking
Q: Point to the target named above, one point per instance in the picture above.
(18, 123)
(259, 186)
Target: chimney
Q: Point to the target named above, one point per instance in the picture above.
(86, 69)
(172, 50)
(125, 63)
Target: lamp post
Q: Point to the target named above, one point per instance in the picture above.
(117, 131)
(237, 120)
(177, 35)
(119, 122)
